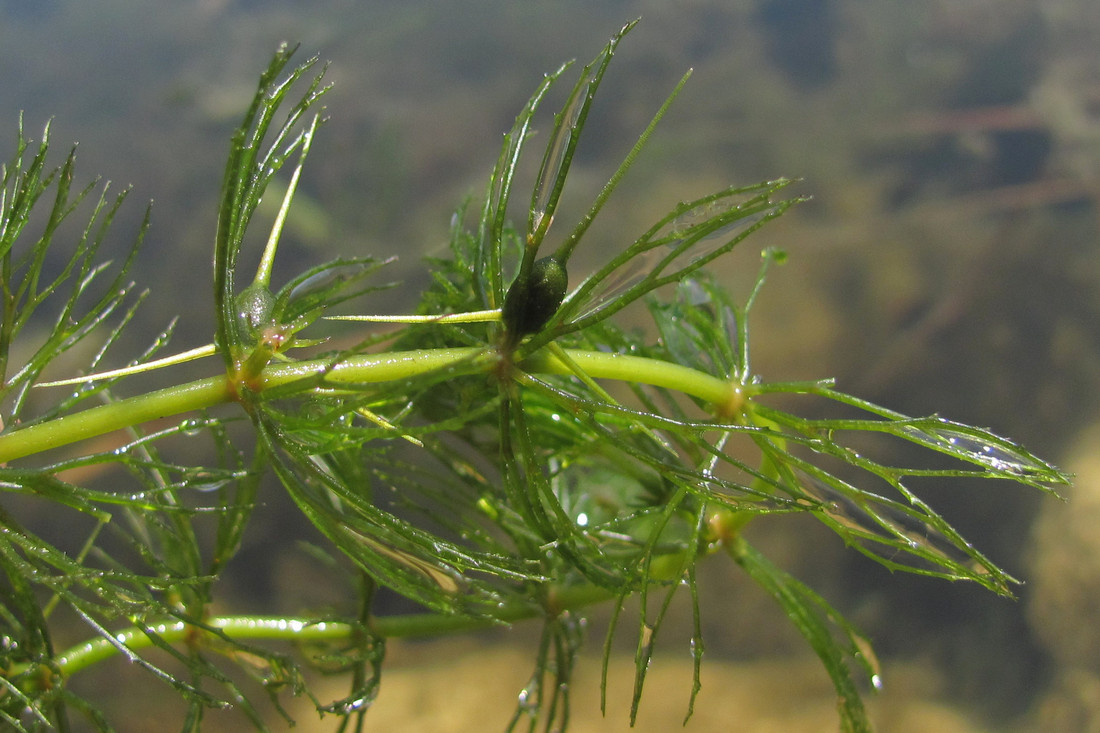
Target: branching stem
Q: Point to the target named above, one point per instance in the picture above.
(363, 369)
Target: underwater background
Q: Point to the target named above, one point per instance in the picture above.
(946, 262)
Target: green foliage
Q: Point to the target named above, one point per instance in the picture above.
(478, 466)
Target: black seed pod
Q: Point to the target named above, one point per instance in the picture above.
(530, 304)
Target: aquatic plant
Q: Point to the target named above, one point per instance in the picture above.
(506, 454)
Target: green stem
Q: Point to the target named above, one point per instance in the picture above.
(114, 416)
(304, 629)
(639, 369)
(362, 369)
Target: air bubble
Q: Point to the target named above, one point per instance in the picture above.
(191, 427)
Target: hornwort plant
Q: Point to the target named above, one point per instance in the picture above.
(507, 454)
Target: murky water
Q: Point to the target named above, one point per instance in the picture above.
(947, 261)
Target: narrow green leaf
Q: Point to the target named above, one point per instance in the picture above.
(835, 642)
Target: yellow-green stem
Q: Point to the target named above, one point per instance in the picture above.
(362, 369)
(303, 629)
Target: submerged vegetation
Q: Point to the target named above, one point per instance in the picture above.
(507, 453)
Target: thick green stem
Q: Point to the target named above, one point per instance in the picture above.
(642, 370)
(363, 369)
(113, 416)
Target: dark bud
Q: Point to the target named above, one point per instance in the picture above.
(531, 303)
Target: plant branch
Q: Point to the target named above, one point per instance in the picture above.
(363, 369)
(303, 629)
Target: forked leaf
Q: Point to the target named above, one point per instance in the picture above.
(837, 644)
(669, 252)
(253, 160)
(558, 156)
(491, 237)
